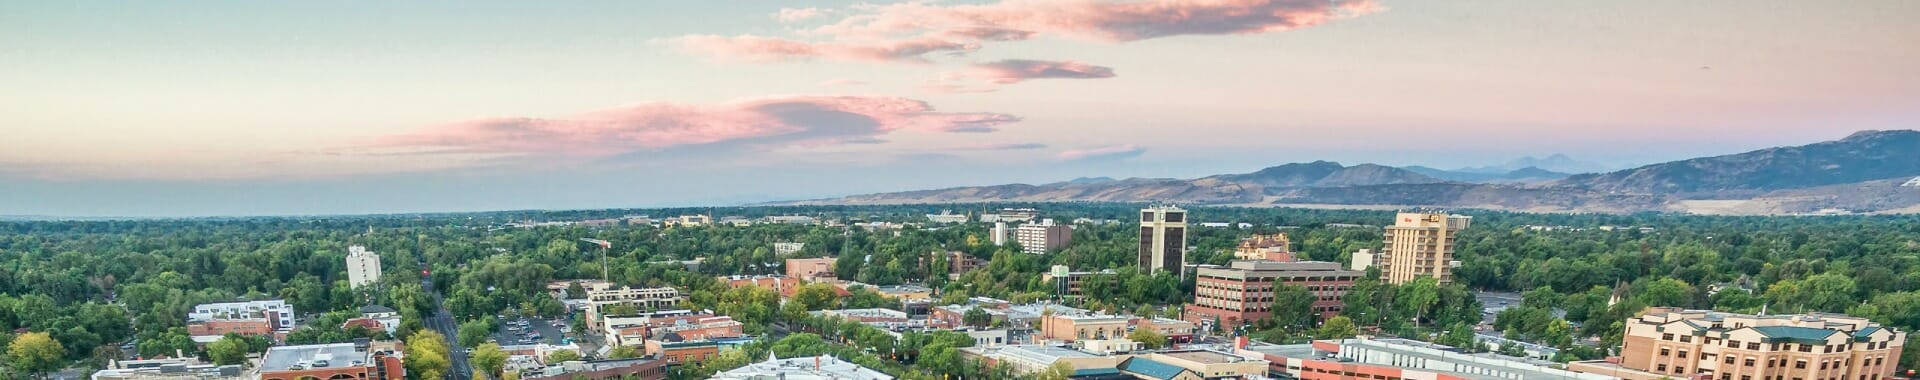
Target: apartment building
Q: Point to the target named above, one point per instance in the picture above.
(363, 267)
(1675, 343)
(601, 301)
(1420, 244)
(1243, 291)
(208, 322)
(811, 270)
(1039, 238)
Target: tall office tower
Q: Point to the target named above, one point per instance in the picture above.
(1420, 244)
(363, 267)
(1163, 239)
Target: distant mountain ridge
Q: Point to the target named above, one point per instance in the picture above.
(1557, 162)
(1859, 173)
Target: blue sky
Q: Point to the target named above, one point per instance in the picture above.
(245, 108)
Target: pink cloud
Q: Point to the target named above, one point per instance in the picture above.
(1018, 70)
(789, 120)
(797, 14)
(1108, 151)
(878, 33)
(842, 82)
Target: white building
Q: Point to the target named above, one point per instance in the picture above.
(783, 248)
(277, 312)
(947, 217)
(1038, 238)
(363, 267)
(823, 367)
(999, 234)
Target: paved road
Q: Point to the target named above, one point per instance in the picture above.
(442, 321)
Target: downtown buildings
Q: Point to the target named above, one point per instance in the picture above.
(359, 360)
(1163, 239)
(1243, 292)
(271, 318)
(1674, 343)
(1038, 238)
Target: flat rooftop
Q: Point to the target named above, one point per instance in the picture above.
(1205, 356)
(1290, 351)
(337, 355)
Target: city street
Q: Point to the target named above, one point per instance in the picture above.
(442, 321)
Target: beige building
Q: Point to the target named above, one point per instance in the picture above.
(1070, 328)
(1038, 238)
(1193, 365)
(1420, 244)
(811, 270)
(1163, 239)
(603, 299)
(1674, 343)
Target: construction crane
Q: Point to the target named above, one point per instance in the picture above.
(604, 246)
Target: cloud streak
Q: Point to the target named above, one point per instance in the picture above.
(766, 122)
(1019, 70)
(1000, 147)
(908, 32)
(1102, 152)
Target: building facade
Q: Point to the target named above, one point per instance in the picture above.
(1163, 239)
(1275, 247)
(1420, 244)
(1073, 327)
(811, 270)
(208, 322)
(363, 267)
(602, 301)
(331, 361)
(1243, 291)
(1668, 342)
(1038, 238)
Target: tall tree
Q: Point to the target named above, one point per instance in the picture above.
(489, 360)
(230, 349)
(1293, 306)
(35, 354)
(428, 355)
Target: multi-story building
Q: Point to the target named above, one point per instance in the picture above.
(1273, 247)
(811, 270)
(682, 352)
(186, 368)
(688, 221)
(1243, 291)
(787, 248)
(1193, 364)
(1011, 215)
(1674, 343)
(1420, 244)
(635, 329)
(1067, 283)
(784, 285)
(208, 322)
(602, 301)
(999, 234)
(363, 267)
(1163, 239)
(959, 263)
(612, 369)
(358, 360)
(1176, 331)
(1072, 327)
(1038, 238)
(1397, 359)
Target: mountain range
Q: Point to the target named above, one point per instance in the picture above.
(1862, 173)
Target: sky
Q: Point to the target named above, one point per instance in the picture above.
(224, 108)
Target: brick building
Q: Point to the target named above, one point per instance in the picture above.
(1674, 343)
(1243, 291)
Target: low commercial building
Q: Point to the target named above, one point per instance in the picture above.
(682, 352)
(1193, 365)
(947, 217)
(1034, 358)
(1396, 359)
(635, 329)
(188, 368)
(823, 367)
(1243, 292)
(614, 369)
(1176, 331)
(1675, 343)
(359, 360)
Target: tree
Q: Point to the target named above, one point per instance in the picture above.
(1512, 349)
(1148, 338)
(624, 352)
(35, 353)
(1293, 306)
(817, 296)
(976, 317)
(560, 356)
(1058, 371)
(230, 349)
(474, 332)
(1666, 292)
(1459, 336)
(1338, 327)
(1558, 334)
(488, 359)
(1418, 297)
(427, 355)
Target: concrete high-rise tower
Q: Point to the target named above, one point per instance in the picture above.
(363, 267)
(1163, 239)
(1420, 244)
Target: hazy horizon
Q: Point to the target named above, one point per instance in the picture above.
(224, 109)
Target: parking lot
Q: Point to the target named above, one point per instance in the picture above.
(510, 334)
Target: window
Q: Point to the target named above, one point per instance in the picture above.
(1683, 354)
(1680, 370)
(1661, 368)
(1666, 336)
(1806, 348)
(1733, 344)
(1800, 364)
(1665, 351)
(1749, 361)
(1753, 346)
(1686, 338)
(1731, 358)
(1823, 365)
